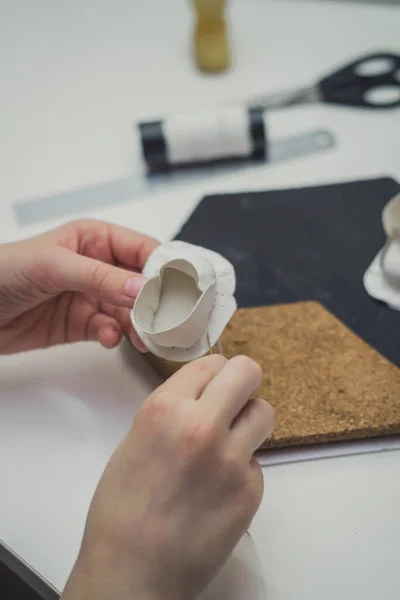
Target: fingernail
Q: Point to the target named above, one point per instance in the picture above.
(133, 286)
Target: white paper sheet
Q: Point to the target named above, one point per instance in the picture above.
(282, 456)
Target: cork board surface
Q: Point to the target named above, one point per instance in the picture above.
(325, 383)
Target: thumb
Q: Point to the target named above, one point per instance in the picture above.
(76, 273)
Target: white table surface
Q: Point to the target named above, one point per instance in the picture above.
(74, 77)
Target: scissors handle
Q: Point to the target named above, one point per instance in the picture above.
(352, 85)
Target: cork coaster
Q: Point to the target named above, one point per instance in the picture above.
(325, 383)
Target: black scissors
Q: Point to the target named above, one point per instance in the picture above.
(372, 81)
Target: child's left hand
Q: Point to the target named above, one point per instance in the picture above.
(75, 283)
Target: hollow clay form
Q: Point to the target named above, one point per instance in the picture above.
(186, 303)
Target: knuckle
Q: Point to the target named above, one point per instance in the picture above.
(99, 276)
(198, 435)
(87, 229)
(75, 223)
(159, 401)
(156, 409)
(209, 366)
(79, 223)
(249, 368)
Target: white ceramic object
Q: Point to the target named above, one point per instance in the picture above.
(241, 577)
(391, 217)
(382, 278)
(183, 308)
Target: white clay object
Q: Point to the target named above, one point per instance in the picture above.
(391, 217)
(382, 278)
(186, 302)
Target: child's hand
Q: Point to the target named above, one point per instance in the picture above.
(75, 283)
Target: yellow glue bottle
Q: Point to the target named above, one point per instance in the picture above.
(211, 43)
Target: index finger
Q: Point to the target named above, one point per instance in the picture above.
(191, 380)
(126, 248)
(129, 247)
(231, 389)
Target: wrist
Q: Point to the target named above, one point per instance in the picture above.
(83, 584)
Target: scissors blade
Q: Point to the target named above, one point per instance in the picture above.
(304, 95)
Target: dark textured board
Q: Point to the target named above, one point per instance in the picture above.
(305, 244)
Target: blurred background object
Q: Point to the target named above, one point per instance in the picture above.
(211, 40)
(369, 1)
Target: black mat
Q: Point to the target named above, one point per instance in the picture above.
(305, 244)
(13, 588)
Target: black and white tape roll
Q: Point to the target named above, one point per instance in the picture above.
(233, 133)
